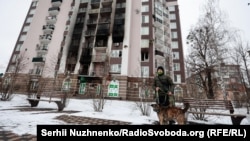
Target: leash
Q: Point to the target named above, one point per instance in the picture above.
(157, 98)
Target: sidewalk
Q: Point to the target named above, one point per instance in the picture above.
(76, 120)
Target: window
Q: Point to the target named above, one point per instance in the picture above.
(116, 54)
(22, 38)
(78, 20)
(171, 8)
(144, 0)
(44, 47)
(29, 20)
(176, 56)
(33, 85)
(66, 85)
(173, 25)
(34, 3)
(145, 8)
(144, 31)
(120, 5)
(119, 15)
(144, 56)
(145, 71)
(14, 58)
(41, 55)
(177, 78)
(38, 70)
(115, 68)
(158, 6)
(18, 47)
(144, 43)
(172, 17)
(75, 42)
(178, 92)
(158, 20)
(158, 11)
(82, 9)
(145, 19)
(176, 67)
(174, 45)
(174, 35)
(26, 28)
(168, 50)
(165, 13)
(32, 11)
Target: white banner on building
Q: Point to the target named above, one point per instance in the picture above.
(113, 89)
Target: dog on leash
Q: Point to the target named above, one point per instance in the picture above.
(166, 114)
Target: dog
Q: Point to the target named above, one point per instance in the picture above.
(167, 114)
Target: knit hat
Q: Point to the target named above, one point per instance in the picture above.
(160, 67)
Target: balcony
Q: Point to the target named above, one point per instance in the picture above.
(84, 1)
(90, 21)
(100, 45)
(159, 43)
(118, 31)
(159, 32)
(82, 10)
(166, 26)
(157, 24)
(159, 54)
(103, 30)
(48, 29)
(51, 19)
(94, 11)
(56, 3)
(93, 2)
(107, 2)
(106, 10)
(97, 73)
(42, 49)
(45, 39)
(89, 33)
(105, 21)
(85, 59)
(89, 45)
(53, 11)
(119, 21)
(99, 58)
(35, 72)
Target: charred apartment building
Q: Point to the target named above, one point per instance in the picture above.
(98, 41)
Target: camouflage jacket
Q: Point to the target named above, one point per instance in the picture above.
(165, 83)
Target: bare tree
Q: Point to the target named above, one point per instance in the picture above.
(144, 94)
(37, 88)
(207, 41)
(48, 85)
(240, 56)
(10, 79)
(98, 99)
(98, 95)
(1, 84)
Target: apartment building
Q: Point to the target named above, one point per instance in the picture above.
(227, 82)
(121, 41)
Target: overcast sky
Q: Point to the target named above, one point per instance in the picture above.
(13, 13)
